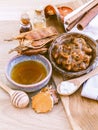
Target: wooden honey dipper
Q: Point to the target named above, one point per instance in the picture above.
(19, 99)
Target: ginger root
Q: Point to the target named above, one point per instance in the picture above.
(42, 102)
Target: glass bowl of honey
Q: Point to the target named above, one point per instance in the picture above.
(29, 73)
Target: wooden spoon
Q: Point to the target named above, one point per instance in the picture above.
(19, 99)
(70, 86)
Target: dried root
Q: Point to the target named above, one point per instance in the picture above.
(52, 92)
(42, 102)
(45, 100)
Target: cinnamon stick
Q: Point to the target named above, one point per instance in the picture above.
(80, 11)
(70, 26)
(87, 18)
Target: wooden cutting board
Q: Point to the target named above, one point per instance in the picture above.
(81, 112)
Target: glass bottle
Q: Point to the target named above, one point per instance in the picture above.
(25, 24)
(39, 20)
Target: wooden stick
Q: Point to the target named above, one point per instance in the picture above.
(80, 11)
(76, 11)
(70, 26)
(87, 18)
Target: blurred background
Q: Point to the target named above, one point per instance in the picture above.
(12, 9)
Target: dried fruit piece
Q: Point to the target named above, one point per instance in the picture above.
(35, 42)
(36, 34)
(34, 51)
(42, 102)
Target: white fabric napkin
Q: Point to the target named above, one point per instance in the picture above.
(90, 88)
(91, 29)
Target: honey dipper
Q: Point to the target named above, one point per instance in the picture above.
(71, 86)
(19, 99)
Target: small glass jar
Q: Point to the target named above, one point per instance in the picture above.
(39, 20)
(25, 24)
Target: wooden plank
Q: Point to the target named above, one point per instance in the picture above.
(81, 112)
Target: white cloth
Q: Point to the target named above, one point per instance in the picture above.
(90, 88)
(91, 29)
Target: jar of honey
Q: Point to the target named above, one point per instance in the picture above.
(39, 20)
(25, 24)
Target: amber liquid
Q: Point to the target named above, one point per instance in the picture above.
(28, 72)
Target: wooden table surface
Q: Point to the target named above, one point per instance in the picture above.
(11, 9)
(23, 119)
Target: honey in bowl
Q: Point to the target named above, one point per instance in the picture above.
(28, 72)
